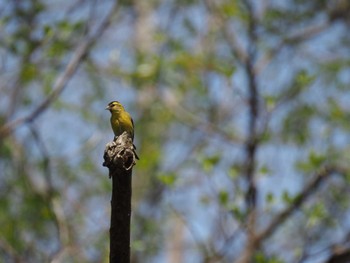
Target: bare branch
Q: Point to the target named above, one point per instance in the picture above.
(64, 77)
(236, 48)
(309, 189)
(196, 122)
(306, 34)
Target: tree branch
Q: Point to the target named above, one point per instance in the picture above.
(294, 38)
(252, 143)
(64, 77)
(309, 189)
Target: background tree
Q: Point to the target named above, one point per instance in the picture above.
(242, 123)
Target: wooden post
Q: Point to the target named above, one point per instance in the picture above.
(120, 157)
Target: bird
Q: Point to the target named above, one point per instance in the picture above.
(120, 119)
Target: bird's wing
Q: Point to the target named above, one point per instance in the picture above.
(133, 126)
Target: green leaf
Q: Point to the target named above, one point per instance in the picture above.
(233, 172)
(260, 257)
(264, 170)
(270, 198)
(296, 125)
(58, 48)
(230, 9)
(316, 214)
(270, 102)
(221, 66)
(223, 197)
(303, 79)
(238, 213)
(300, 82)
(28, 73)
(287, 198)
(168, 179)
(210, 162)
(316, 159)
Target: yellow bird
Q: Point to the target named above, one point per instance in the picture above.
(120, 120)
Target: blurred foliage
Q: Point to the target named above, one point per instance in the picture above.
(178, 69)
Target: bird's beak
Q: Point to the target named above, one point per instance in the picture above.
(107, 108)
